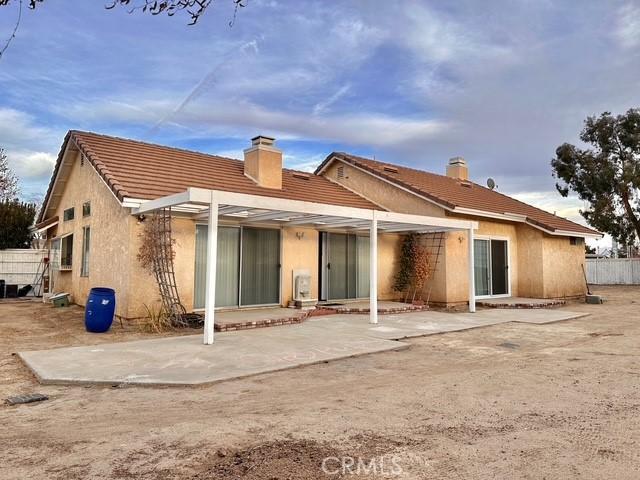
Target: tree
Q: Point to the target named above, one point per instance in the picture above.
(16, 219)
(8, 182)
(194, 8)
(606, 175)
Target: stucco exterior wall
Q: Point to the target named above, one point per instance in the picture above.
(144, 289)
(530, 261)
(299, 252)
(109, 247)
(562, 267)
(380, 192)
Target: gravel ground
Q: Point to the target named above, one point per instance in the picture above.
(508, 401)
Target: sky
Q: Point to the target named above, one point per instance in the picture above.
(501, 83)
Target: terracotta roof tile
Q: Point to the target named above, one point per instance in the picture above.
(451, 193)
(146, 171)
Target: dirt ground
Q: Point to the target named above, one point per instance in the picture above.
(508, 401)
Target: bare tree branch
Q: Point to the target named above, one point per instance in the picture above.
(15, 28)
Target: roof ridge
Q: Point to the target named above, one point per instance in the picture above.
(169, 147)
(403, 166)
(424, 172)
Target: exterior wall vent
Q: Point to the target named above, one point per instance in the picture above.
(340, 172)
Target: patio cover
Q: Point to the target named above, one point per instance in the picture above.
(204, 203)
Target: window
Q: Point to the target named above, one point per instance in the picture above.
(69, 214)
(66, 253)
(86, 209)
(576, 240)
(86, 241)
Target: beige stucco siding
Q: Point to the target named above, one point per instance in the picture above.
(530, 261)
(109, 247)
(299, 252)
(457, 254)
(144, 289)
(380, 192)
(563, 275)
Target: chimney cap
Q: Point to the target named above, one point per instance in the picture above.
(262, 140)
(457, 161)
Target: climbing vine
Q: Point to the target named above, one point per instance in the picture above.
(416, 266)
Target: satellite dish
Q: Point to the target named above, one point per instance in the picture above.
(491, 183)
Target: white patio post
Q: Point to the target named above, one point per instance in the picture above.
(472, 284)
(212, 254)
(373, 270)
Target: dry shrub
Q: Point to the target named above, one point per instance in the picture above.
(150, 242)
(155, 321)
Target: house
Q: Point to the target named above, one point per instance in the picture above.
(519, 250)
(273, 223)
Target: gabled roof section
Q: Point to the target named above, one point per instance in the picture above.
(143, 171)
(462, 196)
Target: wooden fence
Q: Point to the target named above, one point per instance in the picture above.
(613, 271)
(20, 266)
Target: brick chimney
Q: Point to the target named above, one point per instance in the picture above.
(263, 162)
(457, 168)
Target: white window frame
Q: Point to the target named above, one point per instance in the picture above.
(508, 240)
(61, 267)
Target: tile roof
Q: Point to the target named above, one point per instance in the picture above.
(146, 171)
(452, 193)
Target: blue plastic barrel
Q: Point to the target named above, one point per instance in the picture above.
(101, 306)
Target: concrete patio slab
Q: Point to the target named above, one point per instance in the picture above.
(186, 361)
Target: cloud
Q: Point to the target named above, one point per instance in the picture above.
(627, 29)
(323, 106)
(30, 165)
(30, 150)
(501, 83)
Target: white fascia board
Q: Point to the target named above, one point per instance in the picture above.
(566, 233)
(425, 220)
(45, 228)
(512, 217)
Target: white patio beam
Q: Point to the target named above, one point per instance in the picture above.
(201, 196)
(339, 222)
(373, 270)
(210, 284)
(309, 219)
(230, 209)
(163, 202)
(270, 215)
(472, 284)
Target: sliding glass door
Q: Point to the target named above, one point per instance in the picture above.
(345, 266)
(248, 266)
(491, 267)
(260, 279)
